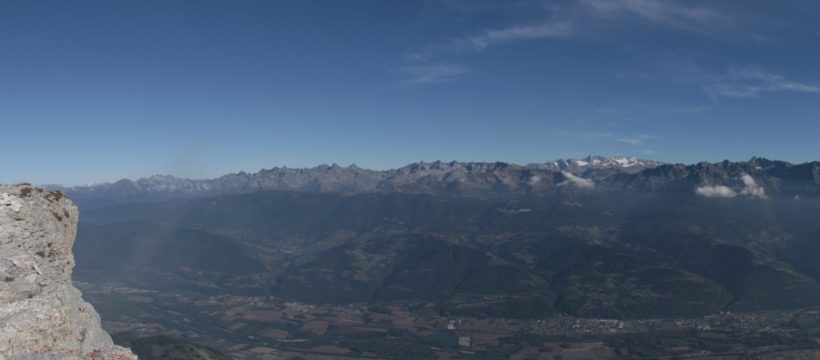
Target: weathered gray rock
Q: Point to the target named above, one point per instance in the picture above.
(42, 315)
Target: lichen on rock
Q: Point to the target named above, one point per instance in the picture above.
(42, 315)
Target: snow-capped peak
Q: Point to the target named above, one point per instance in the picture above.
(625, 163)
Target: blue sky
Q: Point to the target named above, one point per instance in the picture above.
(95, 91)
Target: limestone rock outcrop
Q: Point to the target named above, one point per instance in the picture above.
(42, 315)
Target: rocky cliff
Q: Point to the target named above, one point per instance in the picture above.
(42, 315)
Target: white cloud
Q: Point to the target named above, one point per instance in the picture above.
(432, 73)
(716, 191)
(577, 181)
(751, 187)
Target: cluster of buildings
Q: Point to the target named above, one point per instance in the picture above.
(562, 325)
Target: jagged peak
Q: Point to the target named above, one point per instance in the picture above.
(441, 176)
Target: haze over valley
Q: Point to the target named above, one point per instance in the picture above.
(603, 239)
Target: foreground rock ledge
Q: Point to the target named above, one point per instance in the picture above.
(42, 315)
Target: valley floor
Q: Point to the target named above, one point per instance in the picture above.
(270, 328)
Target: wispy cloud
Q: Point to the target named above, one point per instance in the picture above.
(749, 81)
(661, 12)
(605, 136)
(689, 109)
(594, 19)
(488, 38)
(483, 40)
(424, 74)
(634, 140)
(683, 15)
(634, 109)
(424, 66)
(561, 21)
(569, 21)
(471, 7)
(737, 81)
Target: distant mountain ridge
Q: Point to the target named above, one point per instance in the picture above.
(592, 237)
(478, 179)
(622, 163)
(579, 248)
(465, 177)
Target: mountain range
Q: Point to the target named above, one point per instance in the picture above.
(599, 237)
(776, 178)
